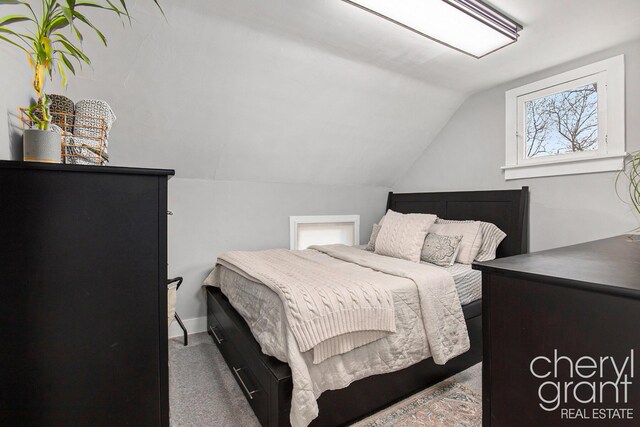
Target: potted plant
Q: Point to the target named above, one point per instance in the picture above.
(631, 171)
(51, 44)
(40, 144)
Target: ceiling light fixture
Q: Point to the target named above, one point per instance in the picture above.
(469, 26)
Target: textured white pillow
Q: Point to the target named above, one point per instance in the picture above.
(372, 240)
(471, 238)
(402, 236)
(492, 236)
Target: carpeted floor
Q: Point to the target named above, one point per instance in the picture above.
(203, 392)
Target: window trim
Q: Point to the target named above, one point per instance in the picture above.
(322, 219)
(609, 74)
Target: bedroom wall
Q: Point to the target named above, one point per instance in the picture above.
(12, 94)
(469, 151)
(281, 91)
(211, 217)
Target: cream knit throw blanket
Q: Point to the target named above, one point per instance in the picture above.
(340, 310)
(440, 307)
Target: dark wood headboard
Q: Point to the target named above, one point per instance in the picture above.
(507, 209)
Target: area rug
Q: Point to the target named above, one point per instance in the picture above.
(447, 404)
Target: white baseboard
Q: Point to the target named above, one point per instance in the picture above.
(195, 325)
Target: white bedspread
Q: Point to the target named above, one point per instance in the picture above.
(407, 346)
(328, 312)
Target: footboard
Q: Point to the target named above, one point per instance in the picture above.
(266, 381)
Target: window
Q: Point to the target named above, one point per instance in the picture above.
(324, 230)
(567, 124)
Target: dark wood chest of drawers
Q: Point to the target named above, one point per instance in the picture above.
(561, 333)
(83, 308)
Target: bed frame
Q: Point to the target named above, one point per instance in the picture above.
(266, 381)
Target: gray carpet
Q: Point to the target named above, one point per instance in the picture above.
(203, 392)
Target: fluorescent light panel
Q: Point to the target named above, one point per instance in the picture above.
(469, 26)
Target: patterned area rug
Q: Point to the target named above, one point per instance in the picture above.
(447, 404)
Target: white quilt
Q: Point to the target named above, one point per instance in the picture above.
(328, 312)
(407, 346)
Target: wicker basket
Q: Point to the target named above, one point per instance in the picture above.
(87, 144)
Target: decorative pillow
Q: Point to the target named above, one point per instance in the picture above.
(55, 128)
(59, 104)
(374, 235)
(471, 237)
(440, 250)
(402, 236)
(492, 236)
(88, 123)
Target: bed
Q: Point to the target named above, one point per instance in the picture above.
(266, 381)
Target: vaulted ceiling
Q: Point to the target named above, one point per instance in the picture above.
(313, 91)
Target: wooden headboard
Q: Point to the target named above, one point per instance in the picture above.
(507, 209)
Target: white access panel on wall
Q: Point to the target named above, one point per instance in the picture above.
(306, 231)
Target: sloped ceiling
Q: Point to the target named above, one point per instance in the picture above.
(311, 91)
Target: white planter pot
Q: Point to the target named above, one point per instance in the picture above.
(41, 146)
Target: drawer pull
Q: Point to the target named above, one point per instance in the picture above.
(216, 335)
(244, 386)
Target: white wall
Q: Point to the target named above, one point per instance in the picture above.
(469, 151)
(14, 91)
(211, 217)
(238, 90)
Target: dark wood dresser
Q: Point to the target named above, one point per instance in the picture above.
(561, 332)
(83, 298)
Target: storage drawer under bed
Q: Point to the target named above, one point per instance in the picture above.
(251, 368)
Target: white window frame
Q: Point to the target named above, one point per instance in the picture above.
(609, 76)
(322, 219)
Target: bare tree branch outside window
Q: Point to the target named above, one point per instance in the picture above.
(539, 123)
(564, 122)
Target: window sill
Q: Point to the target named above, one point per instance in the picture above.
(608, 163)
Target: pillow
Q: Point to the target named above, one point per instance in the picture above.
(372, 240)
(62, 104)
(492, 236)
(440, 250)
(471, 237)
(402, 236)
(91, 115)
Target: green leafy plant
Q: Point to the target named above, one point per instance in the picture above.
(631, 172)
(39, 113)
(54, 41)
